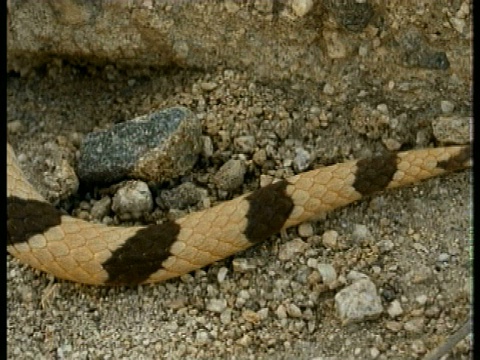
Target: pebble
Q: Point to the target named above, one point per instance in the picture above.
(385, 246)
(414, 325)
(230, 176)
(443, 257)
(383, 108)
(250, 316)
(202, 337)
(361, 233)
(244, 144)
(418, 53)
(354, 275)
(418, 346)
(222, 274)
(328, 273)
(353, 15)
(217, 305)
(328, 89)
(15, 127)
(302, 160)
(259, 157)
(281, 312)
(245, 340)
(330, 239)
(301, 7)
(208, 86)
(452, 129)
(242, 266)
(358, 302)
(294, 311)
(226, 316)
(180, 197)
(156, 147)
(421, 299)
(207, 149)
(447, 106)
(394, 326)
(291, 248)
(374, 352)
(305, 229)
(392, 144)
(420, 274)
(101, 208)
(395, 309)
(132, 201)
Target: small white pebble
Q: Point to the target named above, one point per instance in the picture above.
(281, 312)
(328, 273)
(301, 7)
(383, 108)
(328, 89)
(447, 106)
(222, 274)
(374, 352)
(305, 229)
(329, 239)
(395, 309)
(421, 299)
(294, 311)
(443, 257)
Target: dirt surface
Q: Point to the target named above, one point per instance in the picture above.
(416, 248)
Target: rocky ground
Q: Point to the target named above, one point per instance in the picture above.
(276, 300)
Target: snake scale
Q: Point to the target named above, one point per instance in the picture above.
(45, 238)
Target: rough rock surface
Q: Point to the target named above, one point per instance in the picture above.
(155, 147)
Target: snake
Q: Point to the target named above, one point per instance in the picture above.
(48, 239)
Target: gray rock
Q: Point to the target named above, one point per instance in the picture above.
(415, 325)
(305, 229)
(132, 201)
(289, 250)
(294, 311)
(156, 147)
(352, 15)
(330, 239)
(302, 160)
(328, 273)
(184, 195)
(101, 208)
(217, 305)
(395, 309)
(452, 129)
(361, 233)
(418, 53)
(301, 7)
(245, 144)
(358, 302)
(230, 176)
(447, 106)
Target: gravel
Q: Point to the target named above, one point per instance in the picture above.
(264, 307)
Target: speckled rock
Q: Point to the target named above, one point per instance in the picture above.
(290, 249)
(328, 273)
(230, 176)
(358, 302)
(101, 208)
(154, 147)
(418, 53)
(132, 200)
(452, 129)
(184, 195)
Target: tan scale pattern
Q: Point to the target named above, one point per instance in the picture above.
(75, 250)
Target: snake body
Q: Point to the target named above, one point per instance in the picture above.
(45, 238)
